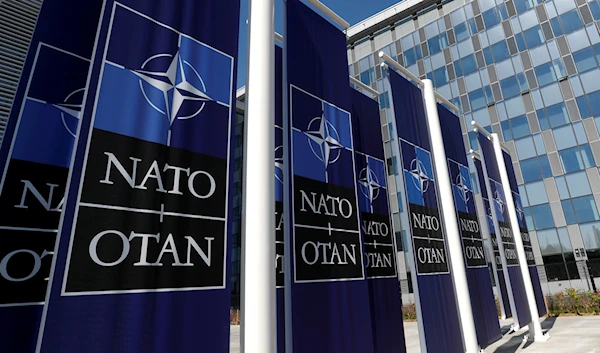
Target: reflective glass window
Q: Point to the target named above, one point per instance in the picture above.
(524, 5)
(412, 55)
(465, 48)
(561, 185)
(528, 20)
(590, 80)
(545, 74)
(431, 30)
(542, 216)
(520, 41)
(491, 17)
(543, 119)
(525, 148)
(468, 64)
(592, 32)
(407, 41)
(520, 127)
(510, 87)
(576, 85)
(437, 43)
(580, 133)
(440, 76)
(514, 107)
(473, 81)
(559, 68)
(551, 94)
(587, 156)
(500, 51)
(550, 9)
(591, 235)
(533, 37)
(557, 115)
(563, 6)
(595, 8)
(461, 32)
(477, 99)
(487, 54)
(539, 55)
(578, 40)
(571, 21)
(536, 193)
(458, 16)
(472, 25)
(530, 168)
(585, 209)
(556, 27)
(593, 100)
(437, 61)
(504, 69)
(564, 137)
(585, 59)
(584, 109)
(548, 241)
(506, 131)
(545, 164)
(569, 212)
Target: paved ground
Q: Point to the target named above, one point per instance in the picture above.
(567, 335)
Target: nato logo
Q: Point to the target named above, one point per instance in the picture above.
(499, 202)
(371, 181)
(166, 87)
(418, 175)
(461, 187)
(278, 163)
(520, 212)
(322, 140)
(50, 114)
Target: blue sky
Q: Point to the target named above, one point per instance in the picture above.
(353, 11)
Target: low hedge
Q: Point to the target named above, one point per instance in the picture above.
(573, 301)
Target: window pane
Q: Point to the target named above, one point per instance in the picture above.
(564, 137)
(571, 21)
(557, 115)
(569, 212)
(556, 28)
(561, 185)
(537, 193)
(519, 126)
(545, 74)
(533, 37)
(491, 18)
(571, 160)
(585, 208)
(578, 40)
(531, 170)
(510, 87)
(580, 133)
(591, 235)
(468, 64)
(440, 76)
(578, 184)
(461, 32)
(565, 241)
(595, 9)
(587, 156)
(525, 148)
(585, 59)
(542, 216)
(584, 109)
(545, 164)
(477, 99)
(549, 243)
(500, 51)
(593, 100)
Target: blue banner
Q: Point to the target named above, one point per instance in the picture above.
(434, 289)
(501, 280)
(533, 273)
(145, 234)
(506, 240)
(329, 293)
(485, 314)
(377, 232)
(34, 162)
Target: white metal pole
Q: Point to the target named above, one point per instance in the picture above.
(448, 210)
(535, 327)
(258, 296)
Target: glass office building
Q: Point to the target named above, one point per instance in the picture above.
(17, 21)
(527, 70)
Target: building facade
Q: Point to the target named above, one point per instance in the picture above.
(17, 22)
(527, 70)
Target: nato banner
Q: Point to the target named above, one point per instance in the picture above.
(485, 314)
(34, 162)
(434, 289)
(376, 228)
(501, 272)
(329, 292)
(142, 259)
(535, 278)
(279, 245)
(506, 240)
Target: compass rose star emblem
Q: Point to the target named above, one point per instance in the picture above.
(520, 211)
(279, 163)
(464, 189)
(174, 85)
(499, 201)
(420, 178)
(370, 184)
(70, 108)
(324, 140)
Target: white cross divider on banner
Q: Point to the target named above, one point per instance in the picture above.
(535, 328)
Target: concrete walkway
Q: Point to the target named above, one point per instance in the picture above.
(573, 334)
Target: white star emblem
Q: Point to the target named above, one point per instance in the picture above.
(499, 201)
(174, 85)
(520, 211)
(370, 184)
(72, 109)
(324, 141)
(279, 163)
(420, 178)
(464, 189)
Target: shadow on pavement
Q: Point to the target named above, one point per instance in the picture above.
(515, 342)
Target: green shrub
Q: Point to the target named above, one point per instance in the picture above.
(574, 301)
